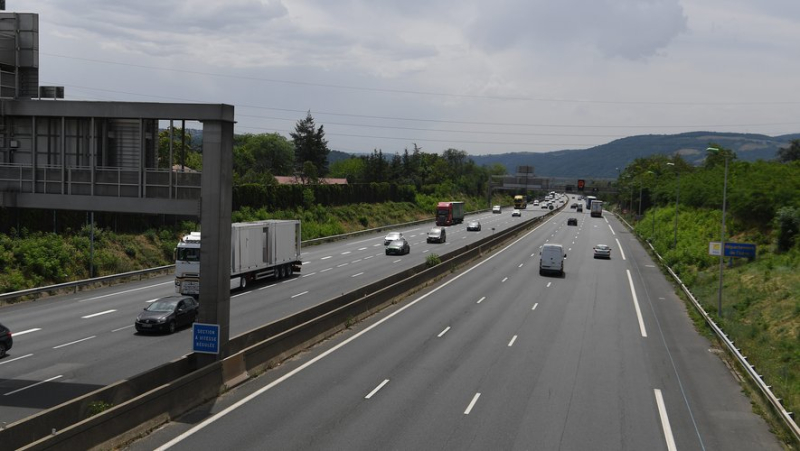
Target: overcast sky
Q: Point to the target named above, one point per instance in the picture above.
(477, 75)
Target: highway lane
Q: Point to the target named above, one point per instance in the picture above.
(499, 357)
(72, 344)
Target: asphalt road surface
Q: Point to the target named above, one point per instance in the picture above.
(70, 345)
(498, 357)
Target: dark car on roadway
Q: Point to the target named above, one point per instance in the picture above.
(572, 221)
(398, 247)
(474, 226)
(602, 251)
(5, 340)
(168, 314)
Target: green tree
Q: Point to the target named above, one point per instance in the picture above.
(267, 152)
(791, 153)
(182, 152)
(310, 145)
(788, 224)
(352, 169)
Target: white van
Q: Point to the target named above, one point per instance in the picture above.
(551, 259)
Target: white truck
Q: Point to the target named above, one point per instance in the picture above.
(259, 250)
(597, 209)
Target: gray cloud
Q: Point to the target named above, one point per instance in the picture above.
(616, 28)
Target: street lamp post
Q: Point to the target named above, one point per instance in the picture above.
(722, 237)
(677, 195)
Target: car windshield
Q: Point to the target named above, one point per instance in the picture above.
(161, 306)
(393, 236)
(601, 247)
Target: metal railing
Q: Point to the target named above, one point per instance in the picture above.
(749, 368)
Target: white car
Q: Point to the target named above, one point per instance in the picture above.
(392, 236)
(516, 213)
(496, 209)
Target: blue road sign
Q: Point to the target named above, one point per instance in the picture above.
(745, 250)
(206, 338)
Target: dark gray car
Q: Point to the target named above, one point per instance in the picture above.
(168, 314)
(5, 340)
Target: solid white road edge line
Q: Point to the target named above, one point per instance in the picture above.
(619, 245)
(73, 342)
(375, 390)
(443, 332)
(636, 304)
(33, 385)
(472, 403)
(330, 351)
(662, 412)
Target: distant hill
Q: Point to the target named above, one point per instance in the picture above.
(602, 161)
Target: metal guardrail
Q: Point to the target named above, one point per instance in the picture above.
(765, 389)
(76, 285)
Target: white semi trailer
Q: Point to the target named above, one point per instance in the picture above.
(259, 250)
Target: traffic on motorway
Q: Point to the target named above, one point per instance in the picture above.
(496, 357)
(73, 343)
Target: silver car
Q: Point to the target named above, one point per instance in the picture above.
(391, 236)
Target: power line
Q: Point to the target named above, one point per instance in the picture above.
(428, 120)
(422, 93)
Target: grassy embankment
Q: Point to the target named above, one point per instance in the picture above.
(761, 298)
(36, 259)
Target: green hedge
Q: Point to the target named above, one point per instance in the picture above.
(283, 197)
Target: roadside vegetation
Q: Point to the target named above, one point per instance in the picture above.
(761, 297)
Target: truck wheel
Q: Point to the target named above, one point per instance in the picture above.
(289, 270)
(242, 282)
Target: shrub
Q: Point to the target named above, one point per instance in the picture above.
(788, 225)
(432, 260)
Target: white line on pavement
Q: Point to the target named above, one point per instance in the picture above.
(299, 294)
(662, 411)
(356, 275)
(98, 314)
(325, 258)
(472, 403)
(17, 334)
(362, 248)
(520, 265)
(126, 291)
(513, 339)
(268, 286)
(443, 332)
(548, 284)
(73, 342)
(397, 261)
(326, 269)
(343, 264)
(481, 299)
(122, 328)
(17, 358)
(380, 386)
(309, 274)
(504, 279)
(345, 253)
(621, 252)
(33, 385)
(636, 304)
(612, 230)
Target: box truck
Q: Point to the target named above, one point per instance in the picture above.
(259, 250)
(597, 209)
(449, 213)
